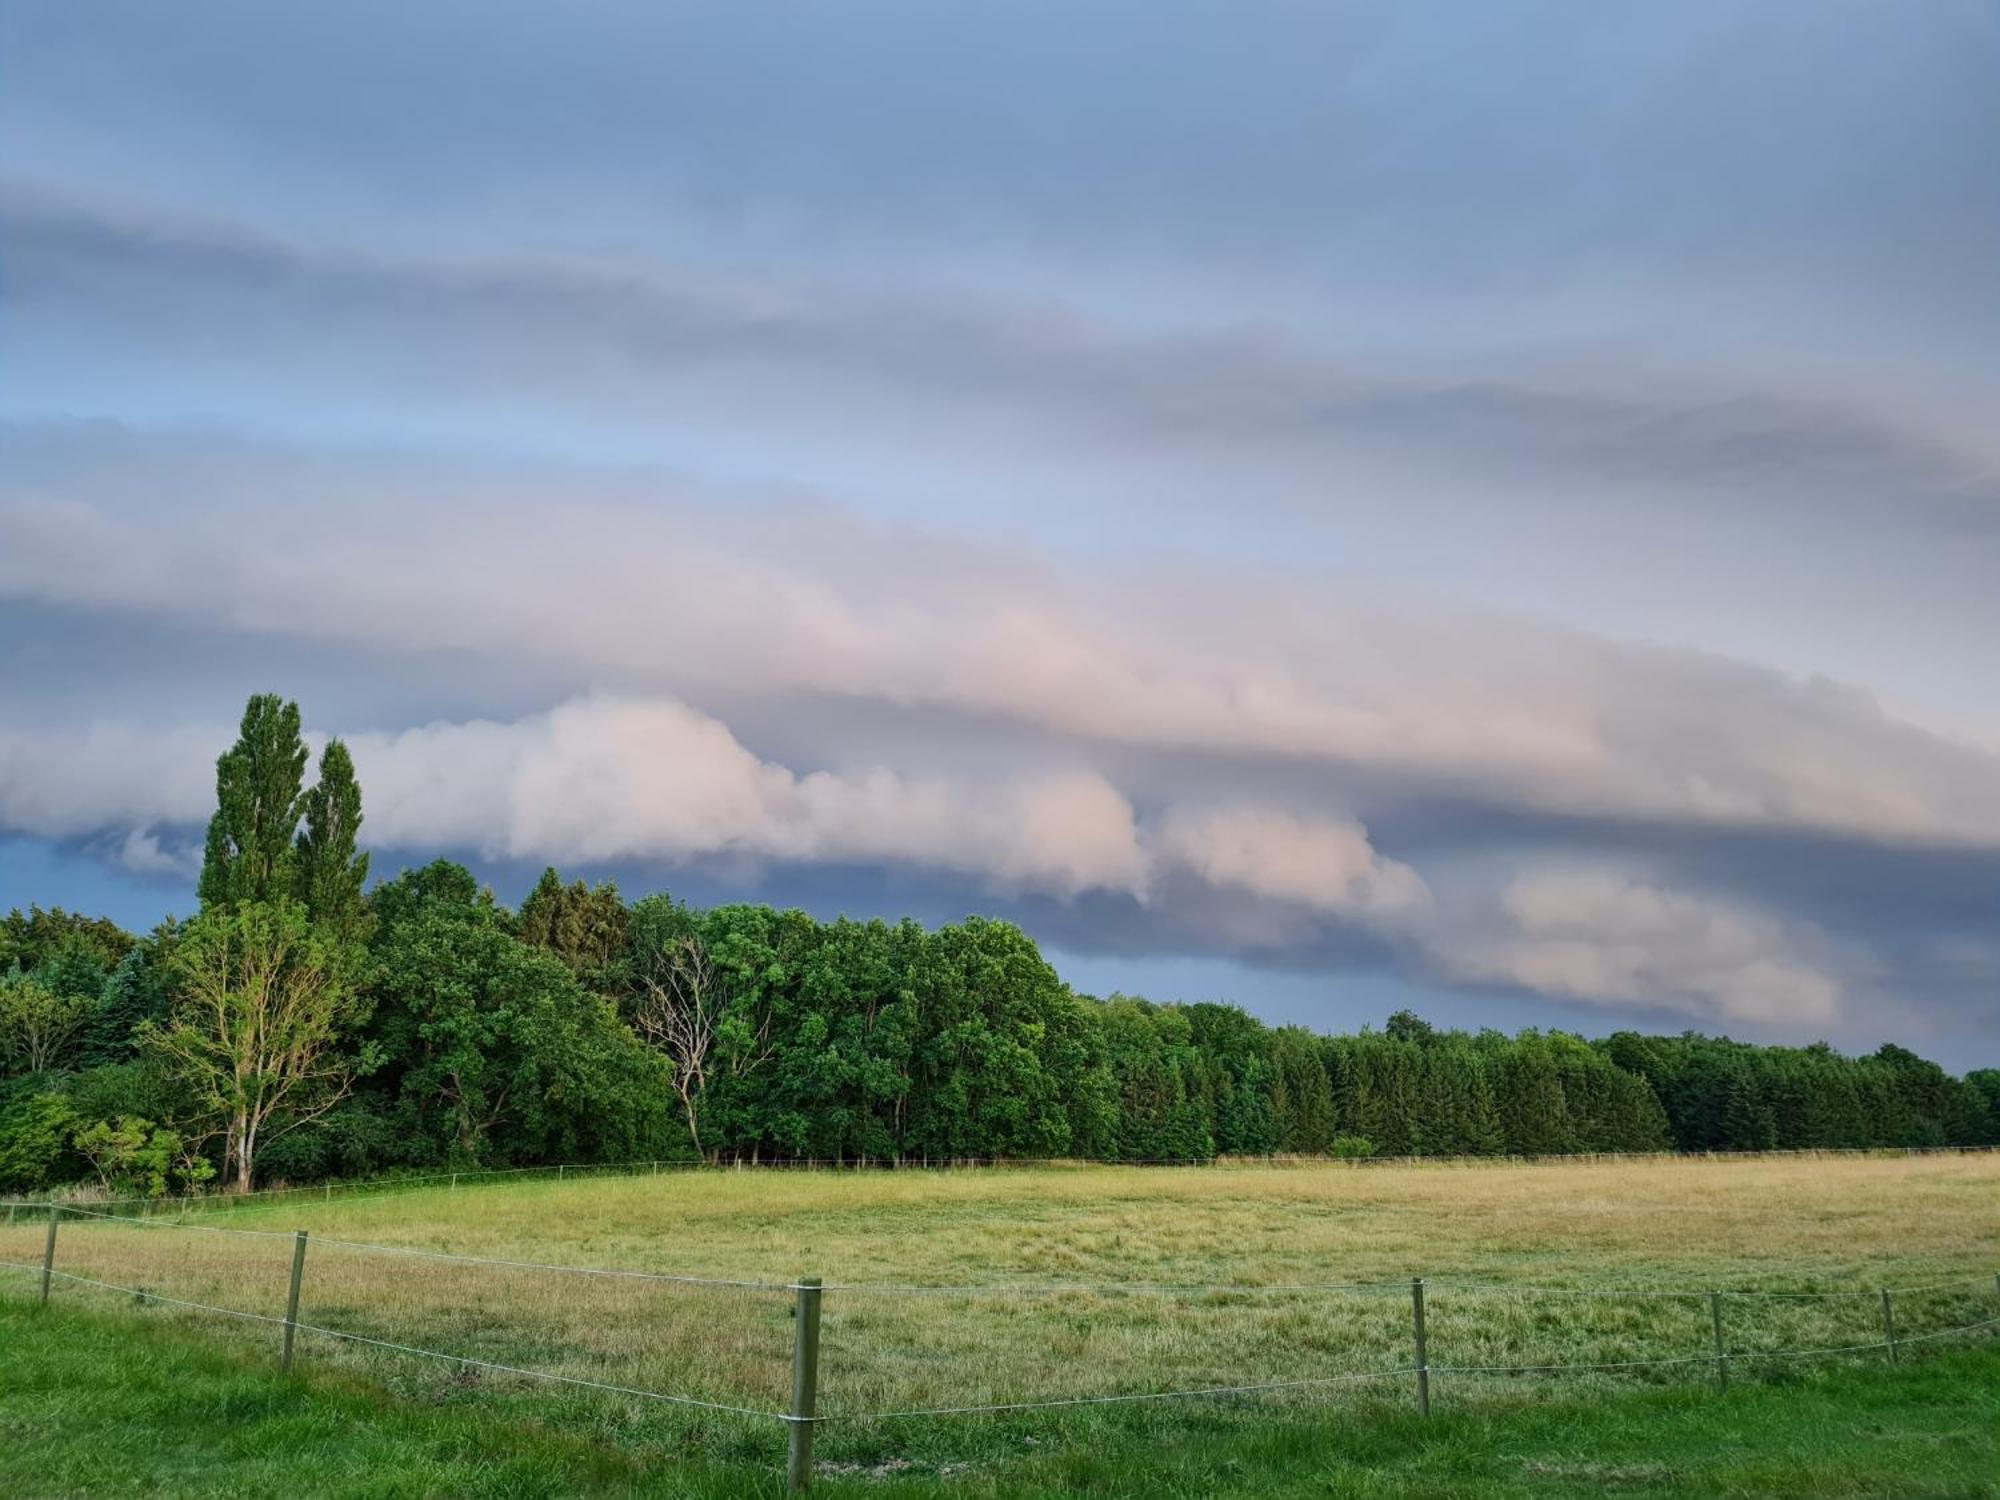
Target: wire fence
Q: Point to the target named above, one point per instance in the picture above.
(807, 1356)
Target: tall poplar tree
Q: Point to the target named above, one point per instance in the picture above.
(257, 789)
(331, 874)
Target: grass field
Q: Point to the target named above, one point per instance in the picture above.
(107, 1405)
(999, 1286)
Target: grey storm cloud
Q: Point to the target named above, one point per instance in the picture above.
(630, 334)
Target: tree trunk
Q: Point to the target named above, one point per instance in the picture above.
(246, 1151)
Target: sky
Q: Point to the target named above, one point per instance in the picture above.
(1490, 509)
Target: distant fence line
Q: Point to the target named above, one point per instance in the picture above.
(392, 1182)
(802, 1417)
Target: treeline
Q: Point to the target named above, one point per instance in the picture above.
(301, 1026)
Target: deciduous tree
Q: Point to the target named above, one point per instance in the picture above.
(256, 1025)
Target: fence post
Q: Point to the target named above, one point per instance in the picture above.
(805, 1383)
(49, 1251)
(1889, 1324)
(1423, 1364)
(1721, 1350)
(292, 1301)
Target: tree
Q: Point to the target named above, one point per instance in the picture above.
(35, 1131)
(331, 875)
(249, 856)
(677, 1011)
(1301, 1094)
(137, 991)
(29, 941)
(583, 925)
(37, 1024)
(998, 1042)
(255, 1026)
(490, 1048)
(133, 1153)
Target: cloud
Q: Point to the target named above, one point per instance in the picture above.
(610, 780)
(71, 782)
(144, 854)
(605, 780)
(634, 340)
(1318, 864)
(1606, 936)
(802, 605)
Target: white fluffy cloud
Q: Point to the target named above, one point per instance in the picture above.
(1323, 865)
(1606, 936)
(606, 778)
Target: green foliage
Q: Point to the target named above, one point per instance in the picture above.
(39, 1024)
(260, 1009)
(258, 782)
(331, 875)
(581, 924)
(493, 1051)
(28, 941)
(139, 990)
(1720, 1095)
(35, 1130)
(1302, 1108)
(133, 1157)
(1351, 1147)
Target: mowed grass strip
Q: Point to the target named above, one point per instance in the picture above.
(106, 1403)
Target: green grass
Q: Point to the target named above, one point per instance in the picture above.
(1043, 1267)
(106, 1402)
(1051, 1257)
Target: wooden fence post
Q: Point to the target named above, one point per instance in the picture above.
(1423, 1363)
(49, 1252)
(292, 1301)
(1721, 1350)
(1889, 1325)
(805, 1383)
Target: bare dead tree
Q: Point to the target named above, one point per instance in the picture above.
(677, 1012)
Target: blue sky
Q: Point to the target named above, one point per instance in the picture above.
(1331, 506)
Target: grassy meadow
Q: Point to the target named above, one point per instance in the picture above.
(968, 1288)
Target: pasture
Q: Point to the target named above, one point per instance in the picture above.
(1002, 1287)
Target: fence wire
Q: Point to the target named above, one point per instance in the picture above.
(891, 1352)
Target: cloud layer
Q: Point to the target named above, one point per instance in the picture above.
(1495, 511)
(810, 602)
(616, 780)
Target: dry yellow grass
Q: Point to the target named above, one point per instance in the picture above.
(1066, 1267)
